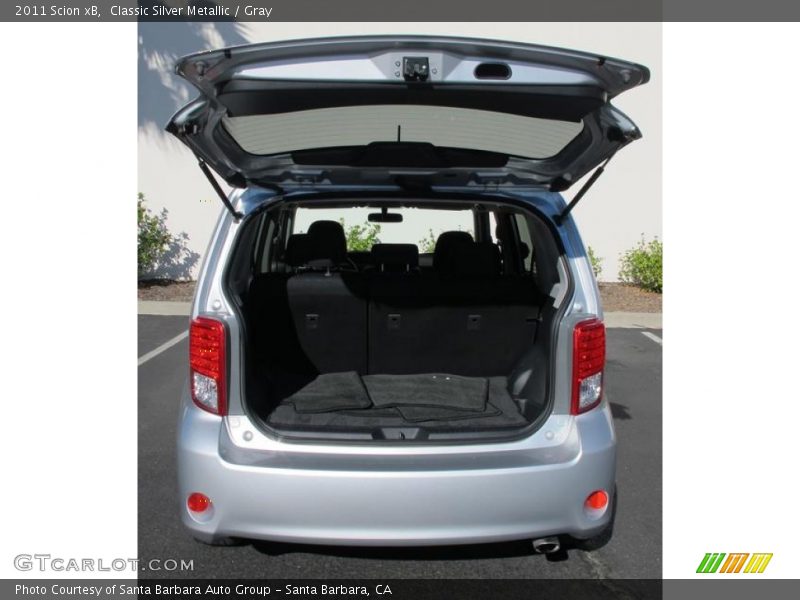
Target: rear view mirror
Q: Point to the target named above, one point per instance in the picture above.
(385, 217)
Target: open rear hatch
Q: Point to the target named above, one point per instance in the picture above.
(377, 111)
(330, 352)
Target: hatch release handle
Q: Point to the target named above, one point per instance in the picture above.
(416, 68)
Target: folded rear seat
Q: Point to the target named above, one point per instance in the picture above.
(314, 319)
(466, 318)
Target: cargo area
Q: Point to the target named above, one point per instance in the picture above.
(392, 343)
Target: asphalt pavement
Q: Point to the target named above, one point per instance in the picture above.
(633, 387)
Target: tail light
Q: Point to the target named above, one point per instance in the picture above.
(588, 361)
(207, 365)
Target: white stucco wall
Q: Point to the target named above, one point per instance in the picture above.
(623, 204)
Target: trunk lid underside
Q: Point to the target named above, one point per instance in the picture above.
(382, 110)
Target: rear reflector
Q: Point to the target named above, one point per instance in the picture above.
(197, 502)
(588, 361)
(597, 500)
(207, 364)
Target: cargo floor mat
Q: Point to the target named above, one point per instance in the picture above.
(330, 392)
(430, 390)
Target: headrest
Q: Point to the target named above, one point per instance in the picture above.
(477, 260)
(328, 240)
(446, 245)
(298, 250)
(395, 257)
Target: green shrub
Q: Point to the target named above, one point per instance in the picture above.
(597, 262)
(360, 238)
(428, 244)
(641, 265)
(154, 238)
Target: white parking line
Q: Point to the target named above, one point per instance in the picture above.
(165, 346)
(653, 337)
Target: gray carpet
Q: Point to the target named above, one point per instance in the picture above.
(330, 392)
(501, 412)
(420, 414)
(429, 390)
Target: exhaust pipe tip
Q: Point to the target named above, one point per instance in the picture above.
(546, 545)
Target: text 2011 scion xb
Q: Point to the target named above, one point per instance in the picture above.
(397, 337)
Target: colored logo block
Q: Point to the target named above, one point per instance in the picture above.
(719, 562)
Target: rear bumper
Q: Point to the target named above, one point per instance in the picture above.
(398, 495)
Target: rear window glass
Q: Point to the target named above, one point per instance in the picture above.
(420, 226)
(447, 127)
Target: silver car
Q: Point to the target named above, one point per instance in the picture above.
(397, 337)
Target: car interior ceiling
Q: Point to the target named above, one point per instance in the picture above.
(453, 340)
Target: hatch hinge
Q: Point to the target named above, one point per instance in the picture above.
(212, 180)
(559, 218)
